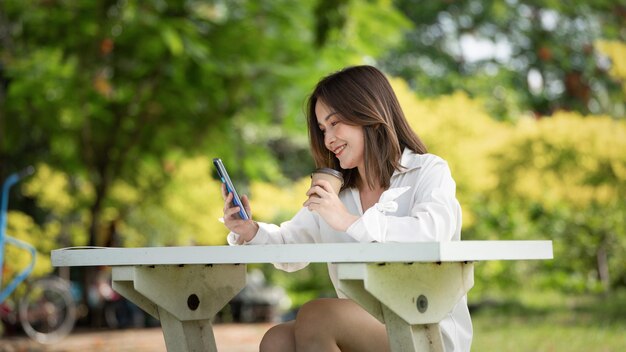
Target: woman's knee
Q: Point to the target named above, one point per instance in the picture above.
(327, 324)
(279, 338)
(314, 320)
(314, 312)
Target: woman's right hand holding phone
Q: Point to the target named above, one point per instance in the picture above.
(246, 229)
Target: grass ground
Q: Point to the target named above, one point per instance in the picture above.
(552, 322)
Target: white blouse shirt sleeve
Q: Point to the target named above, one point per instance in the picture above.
(302, 228)
(433, 214)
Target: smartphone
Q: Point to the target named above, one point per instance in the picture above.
(223, 174)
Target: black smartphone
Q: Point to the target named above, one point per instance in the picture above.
(230, 187)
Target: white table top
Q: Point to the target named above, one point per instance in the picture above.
(313, 253)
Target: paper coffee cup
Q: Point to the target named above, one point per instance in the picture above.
(334, 177)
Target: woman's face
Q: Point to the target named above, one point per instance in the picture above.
(347, 142)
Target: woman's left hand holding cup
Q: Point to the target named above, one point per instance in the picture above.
(324, 201)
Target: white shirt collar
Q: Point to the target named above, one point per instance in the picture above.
(408, 161)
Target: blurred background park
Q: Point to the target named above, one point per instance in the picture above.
(121, 105)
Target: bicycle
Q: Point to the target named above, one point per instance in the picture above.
(47, 310)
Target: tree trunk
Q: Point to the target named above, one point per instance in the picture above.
(603, 266)
(94, 313)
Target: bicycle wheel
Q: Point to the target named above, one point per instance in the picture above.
(47, 310)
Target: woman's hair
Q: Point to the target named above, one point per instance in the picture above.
(362, 96)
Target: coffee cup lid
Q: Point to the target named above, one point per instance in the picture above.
(327, 170)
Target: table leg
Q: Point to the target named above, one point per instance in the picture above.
(184, 297)
(407, 337)
(188, 335)
(409, 298)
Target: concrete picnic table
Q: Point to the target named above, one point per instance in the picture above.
(409, 287)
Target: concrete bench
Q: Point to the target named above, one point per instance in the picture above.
(408, 286)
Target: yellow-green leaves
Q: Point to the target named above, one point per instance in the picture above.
(172, 40)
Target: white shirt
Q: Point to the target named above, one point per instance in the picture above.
(420, 205)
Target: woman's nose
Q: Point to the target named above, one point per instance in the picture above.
(329, 138)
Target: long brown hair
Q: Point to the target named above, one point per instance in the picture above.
(362, 96)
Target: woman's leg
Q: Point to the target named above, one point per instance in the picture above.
(279, 338)
(332, 324)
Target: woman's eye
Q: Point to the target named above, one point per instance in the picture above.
(334, 123)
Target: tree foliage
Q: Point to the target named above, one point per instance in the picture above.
(537, 56)
(135, 81)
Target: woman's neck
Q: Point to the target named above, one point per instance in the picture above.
(369, 196)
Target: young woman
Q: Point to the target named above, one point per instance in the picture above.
(393, 192)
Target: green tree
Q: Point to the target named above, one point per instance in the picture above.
(137, 80)
(568, 177)
(105, 91)
(536, 56)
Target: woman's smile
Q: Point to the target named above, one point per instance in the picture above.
(338, 151)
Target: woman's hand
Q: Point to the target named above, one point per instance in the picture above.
(246, 229)
(324, 201)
